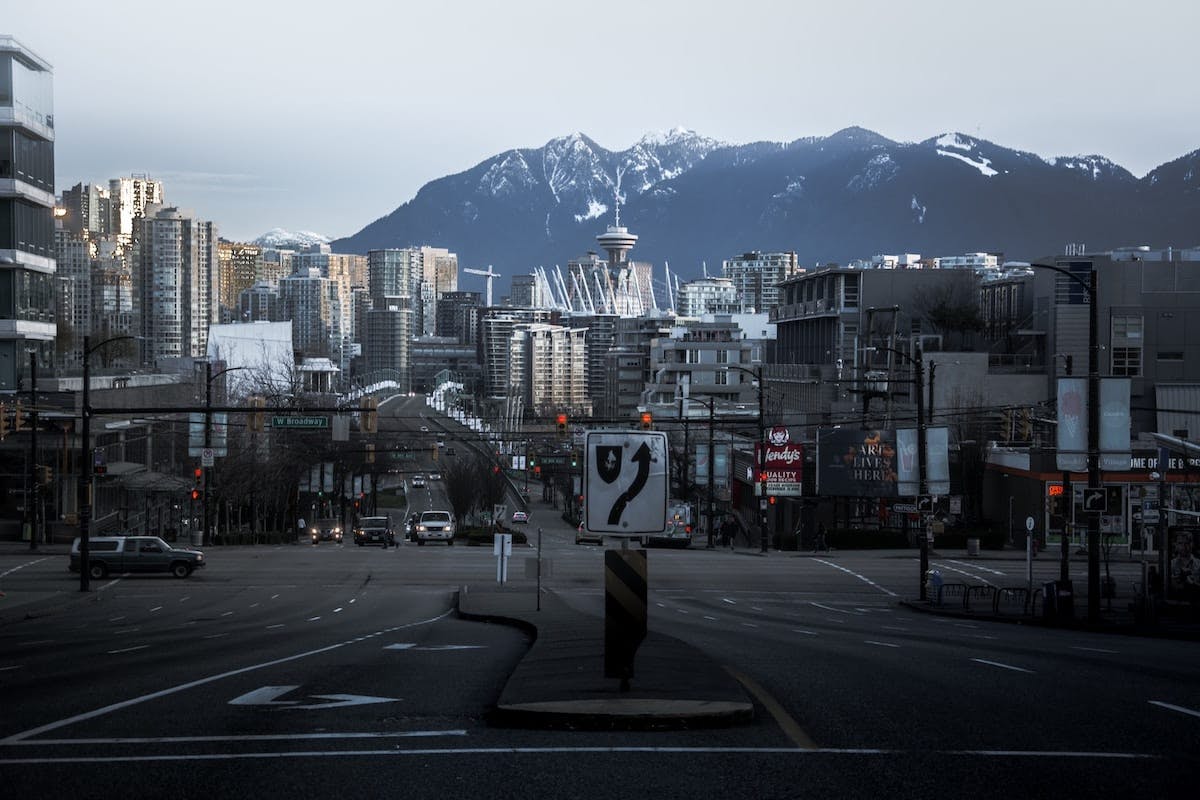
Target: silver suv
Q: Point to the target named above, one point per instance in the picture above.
(435, 526)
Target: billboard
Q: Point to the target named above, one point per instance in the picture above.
(852, 462)
(783, 461)
(1072, 440)
(937, 462)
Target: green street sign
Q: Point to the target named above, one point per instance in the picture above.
(404, 455)
(299, 422)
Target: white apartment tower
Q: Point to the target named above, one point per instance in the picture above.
(128, 198)
(756, 277)
(176, 283)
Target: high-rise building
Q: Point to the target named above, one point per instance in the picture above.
(346, 271)
(708, 296)
(128, 198)
(458, 316)
(439, 274)
(87, 207)
(312, 302)
(175, 282)
(27, 267)
(239, 267)
(756, 277)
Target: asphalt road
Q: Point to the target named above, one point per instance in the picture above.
(343, 671)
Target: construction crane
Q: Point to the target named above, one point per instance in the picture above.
(489, 275)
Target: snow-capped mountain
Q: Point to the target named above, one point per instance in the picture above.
(833, 198)
(280, 239)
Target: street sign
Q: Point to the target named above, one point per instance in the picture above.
(299, 422)
(1029, 523)
(625, 482)
(206, 457)
(1095, 499)
(904, 508)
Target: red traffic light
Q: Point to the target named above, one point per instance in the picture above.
(195, 494)
(198, 472)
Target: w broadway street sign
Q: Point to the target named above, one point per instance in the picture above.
(299, 422)
(625, 482)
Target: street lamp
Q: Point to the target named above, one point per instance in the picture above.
(710, 403)
(762, 449)
(83, 499)
(919, 379)
(208, 379)
(1093, 426)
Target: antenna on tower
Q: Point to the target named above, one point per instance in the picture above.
(617, 204)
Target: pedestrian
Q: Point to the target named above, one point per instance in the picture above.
(820, 543)
(727, 531)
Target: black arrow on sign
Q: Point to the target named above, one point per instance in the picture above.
(643, 459)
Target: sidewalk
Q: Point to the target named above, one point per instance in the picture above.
(560, 682)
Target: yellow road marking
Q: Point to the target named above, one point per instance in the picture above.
(782, 718)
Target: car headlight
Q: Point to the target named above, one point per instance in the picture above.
(314, 530)
(200, 557)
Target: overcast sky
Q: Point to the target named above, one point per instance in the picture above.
(326, 115)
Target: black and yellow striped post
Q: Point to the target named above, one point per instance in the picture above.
(624, 611)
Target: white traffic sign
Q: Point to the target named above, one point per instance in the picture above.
(625, 482)
(1029, 523)
(207, 457)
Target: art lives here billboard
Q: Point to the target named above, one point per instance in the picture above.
(852, 462)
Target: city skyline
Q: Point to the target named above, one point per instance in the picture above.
(236, 102)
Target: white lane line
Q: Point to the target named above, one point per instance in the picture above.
(128, 649)
(254, 605)
(900, 628)
(35, 642)
(156, 608)
(99, 712)
(879, 644)
(755, 608)
(1097, 650)
(185, 598)
(570, 751)
(8, 572)
(7, 669)
(804, 632)
(714, 619)
(279, 625)
(274, 596)
(862, 578)
(1002, 666)
(338, 610)
(835, 620)
(749, 625)
(976, 566)
(661, 605)
(683, 611)
(215, 635)
(1180, 709)
(117, 619)
(258, 737)
(964, 572)
(313, 619)
(828, 608)
(227, 613)
(126, 630)
(353, 599)
(965, 625)
(980, 636)
(727, 600)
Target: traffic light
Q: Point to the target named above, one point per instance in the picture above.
(257, 416)
(771, 500)
(198, 476)
(574, 459)
(18, 418)
(560, 423)
(371, 453)
(647, 420)
(1025, 425)
(369, 420)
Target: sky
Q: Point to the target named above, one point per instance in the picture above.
(326, 116)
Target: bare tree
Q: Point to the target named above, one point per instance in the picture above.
(951, 307)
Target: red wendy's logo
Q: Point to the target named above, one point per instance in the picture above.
(779, 435)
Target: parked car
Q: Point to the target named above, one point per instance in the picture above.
(374, 530)
(108, 554)
(520, 518)
(582, 534)
(435, 526)
(326, 530)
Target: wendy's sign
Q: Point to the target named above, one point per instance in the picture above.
(782, 461)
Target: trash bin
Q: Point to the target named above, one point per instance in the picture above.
(933, 585)
(972, 547)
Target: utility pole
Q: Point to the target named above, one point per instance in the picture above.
(711, 469)
(922, 486)
(206, 536)
(33, 501)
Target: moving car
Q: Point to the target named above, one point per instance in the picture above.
(326, 530)
(374, 530)
(435, 526)
(678, 531)
(418, 482)
(435, 476)
(135, 554)
(520, 517)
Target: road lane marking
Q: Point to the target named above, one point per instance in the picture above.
(99, 712)
(683, 611)
(1002, 666)
(661, 605)
(806, 633)
(274, 596)
(156, 608)
(964, 572)
(8, 572)
(484, 751)
(277, 625)
(313, 619)
(338, 610)
(116, 619)
(879, 644)
(900, 628)
(749, 625)
(1097, 650)
(713, 619)
(254, 605)
(7, 669)
(828, 608)
(755, 608)
(783, 719)
(862, 578)
(727, 600)
(1180, 709)
(227, 613)
(215, 635)
(185, 598)
(128, 649)
(977, 566)
(258, 737)
(126, 630)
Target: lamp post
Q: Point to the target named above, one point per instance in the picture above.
(711, 404)
(83, 498)
(33, 502)
(1093, 437)
(209, 377)
(919, 379)
(761, 451)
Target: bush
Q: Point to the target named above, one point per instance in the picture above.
(482, 536)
